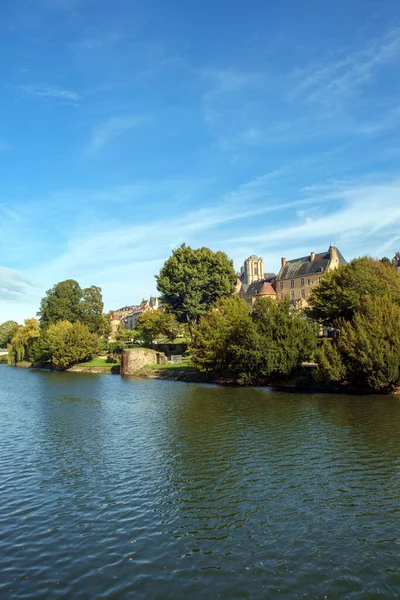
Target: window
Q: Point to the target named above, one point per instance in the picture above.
(292, 283)
(309, 282)
(282, 296)
(319, 279)
(303, 293)
(302, 281)
(281, 285)
(292, 294)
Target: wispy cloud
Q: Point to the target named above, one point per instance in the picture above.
(114, 127)
(50, 92)
(15, 286)
(330, 82)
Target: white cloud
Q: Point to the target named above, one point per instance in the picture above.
(50, 92)
(15, 286)
(333, 81)
(110, 129)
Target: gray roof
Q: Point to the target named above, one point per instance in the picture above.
(301, 267)
(269, 277)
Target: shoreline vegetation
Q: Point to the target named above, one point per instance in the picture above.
(347, 337)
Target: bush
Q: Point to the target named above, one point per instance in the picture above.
(233, 342)
(366, 352)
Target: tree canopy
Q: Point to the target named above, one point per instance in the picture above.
(342, 290)
(246, 345)
(24, 337)
(365, 352)
(192, 280)
(7, 331)
(67, 301)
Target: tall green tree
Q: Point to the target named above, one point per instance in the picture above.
(192, 280)
(73, 344)
(7, 331)
(67, 301)
(342, 290)
(24, 338)
(91, 309)
(245, 345)
(366, 351)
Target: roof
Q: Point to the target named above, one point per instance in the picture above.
(301, 267)
(262, 287)
(269, 276)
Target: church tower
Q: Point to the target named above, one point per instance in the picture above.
(253, 269)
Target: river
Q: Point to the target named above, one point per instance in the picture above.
(120, 488)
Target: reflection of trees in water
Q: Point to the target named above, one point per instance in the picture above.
(370, 422)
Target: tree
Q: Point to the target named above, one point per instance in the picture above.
(74, 344)
(192, 280)
(342, 290)
(42, 350)
(366, 352)
(169, 326)
(226, 341)
(248, 345)
(91, 309)
(7, 331)
(287, 337)
(148, 327)
(67, 301)
(61, 303)
(25, 336)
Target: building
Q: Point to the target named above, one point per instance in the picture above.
(396, 261)
(144, 306)
(298, 276)
(251, 278)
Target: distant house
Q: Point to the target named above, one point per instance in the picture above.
(298, 276)
(144, 306)
(259, 289)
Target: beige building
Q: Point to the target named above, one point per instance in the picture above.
(298, 276)
(252, 282)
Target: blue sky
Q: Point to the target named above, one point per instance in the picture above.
(268, 127)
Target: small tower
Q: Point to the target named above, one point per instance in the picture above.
(253, 269)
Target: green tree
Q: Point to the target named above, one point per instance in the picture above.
(42, 350)
(73, 345)
(91, 309)
(342, 290)
(246, 345)
(287, 337)
(148, 327)
(226, 341)
(169, 326)
(24, 338)
(366, 352)
(61, 303)
(67, 301)
(7, 331)
(192, 280)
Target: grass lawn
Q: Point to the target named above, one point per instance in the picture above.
(99, 361)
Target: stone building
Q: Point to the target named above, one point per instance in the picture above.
(298, 276)
(144, 306)
(251, 280)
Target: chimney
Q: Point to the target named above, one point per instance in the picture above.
(283, 262)
(312, 256)
(333, 254)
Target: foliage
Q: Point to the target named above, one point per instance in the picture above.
(244, 345)
(20, 345)
(67, 301)
(331, 368)
(342, 290)
(76, 344)
(7, 331)
(169, 326)
(148, 327)
(192, 280)
(366, 352)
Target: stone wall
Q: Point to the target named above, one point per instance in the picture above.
(136, 358)
(170, 349)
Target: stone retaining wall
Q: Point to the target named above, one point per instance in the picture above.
(134, 359)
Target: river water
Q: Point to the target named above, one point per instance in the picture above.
(120, 488)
